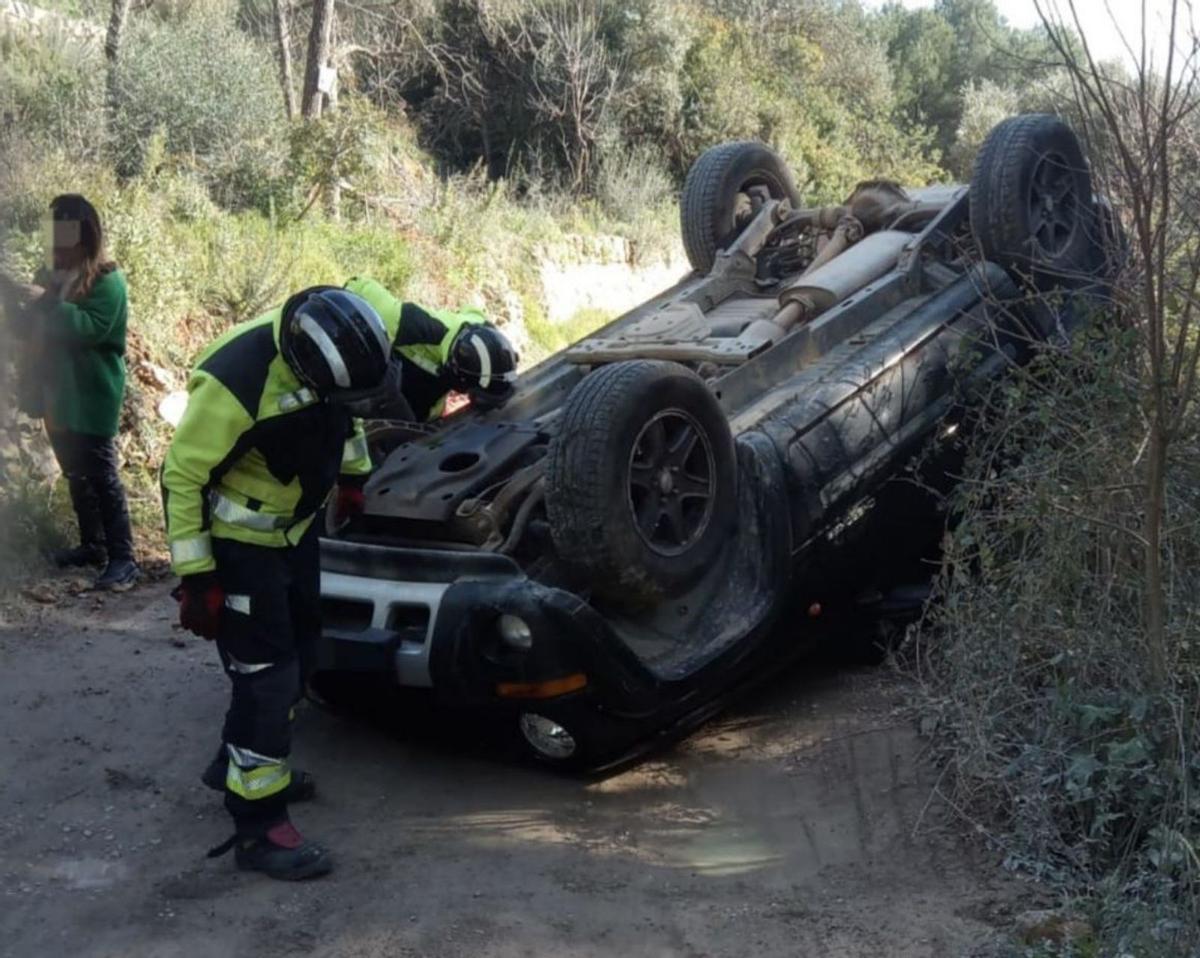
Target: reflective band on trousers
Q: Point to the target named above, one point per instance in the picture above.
(236, 514)
(254, 776)
(356, 449)
(247, 758)
(239, 603)
(191, 550)
(247, 668)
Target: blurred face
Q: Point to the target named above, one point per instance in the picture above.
(66, 247)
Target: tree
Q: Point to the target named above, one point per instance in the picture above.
(320, 53)
(938, 54)
(112, 45)
(284, 41)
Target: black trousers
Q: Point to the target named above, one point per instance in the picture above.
(269, 628)
(90, 465)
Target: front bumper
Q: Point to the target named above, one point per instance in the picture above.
(429, 619)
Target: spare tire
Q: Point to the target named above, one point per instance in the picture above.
(1031, 201)
(641, 480)
(715, 206)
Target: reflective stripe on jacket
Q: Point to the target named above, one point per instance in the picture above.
(255, 454)
(422, 339)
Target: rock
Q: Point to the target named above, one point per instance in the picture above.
(1053, 926)
(151, 374)
(41, 592)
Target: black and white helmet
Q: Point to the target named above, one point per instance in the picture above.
(334, 342)
(483, 364)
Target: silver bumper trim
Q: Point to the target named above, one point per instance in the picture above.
(412, 658)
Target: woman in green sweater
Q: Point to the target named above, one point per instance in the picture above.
(76, 327)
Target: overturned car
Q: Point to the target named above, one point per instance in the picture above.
(680, 501)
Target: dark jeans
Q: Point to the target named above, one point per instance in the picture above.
(269, 627)
(90, 465)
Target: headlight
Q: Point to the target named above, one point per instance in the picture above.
(515, 632)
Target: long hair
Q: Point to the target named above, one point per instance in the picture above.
(71, 207)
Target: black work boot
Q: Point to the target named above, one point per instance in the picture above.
(302, 788)
(281, 852)
(84, 555)
(118, 576)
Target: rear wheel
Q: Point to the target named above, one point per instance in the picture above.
(641, 480)
(1031, 201)
(722, 193)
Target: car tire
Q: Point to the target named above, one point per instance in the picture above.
(714, 206)
(1031, 202)
(641, 483)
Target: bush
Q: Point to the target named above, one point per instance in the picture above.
(632, 184)
(213, 94)
(1061, 740)
(984, 105)
(52, 93)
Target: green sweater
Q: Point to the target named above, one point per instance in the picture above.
(83, 358)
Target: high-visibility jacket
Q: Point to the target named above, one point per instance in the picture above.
(422, 339)
(256, 453)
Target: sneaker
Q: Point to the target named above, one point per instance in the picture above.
(302, 788)
(118, 575)
(281, 853)
(78, 557)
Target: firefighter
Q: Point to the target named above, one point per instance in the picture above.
(440, 351)
(265, 437)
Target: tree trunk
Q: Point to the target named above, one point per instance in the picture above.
(1155, 505)
(320, 48)
(284, 38)
(112, 46)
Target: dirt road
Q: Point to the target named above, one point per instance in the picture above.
(783, 828)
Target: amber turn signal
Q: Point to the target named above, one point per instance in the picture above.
(542, 690)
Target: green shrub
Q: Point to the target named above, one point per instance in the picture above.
(52, 93)
(1058, 736)
(632, 183)
(984, 105)
(213, 94)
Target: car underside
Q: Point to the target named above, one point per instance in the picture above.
(671, 506)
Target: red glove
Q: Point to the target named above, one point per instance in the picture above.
(201, 600)
(349, 504)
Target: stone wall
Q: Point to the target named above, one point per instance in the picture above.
(598, 272)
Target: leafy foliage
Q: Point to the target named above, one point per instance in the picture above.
(211, 92)
(52, 92)
(937, 54)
